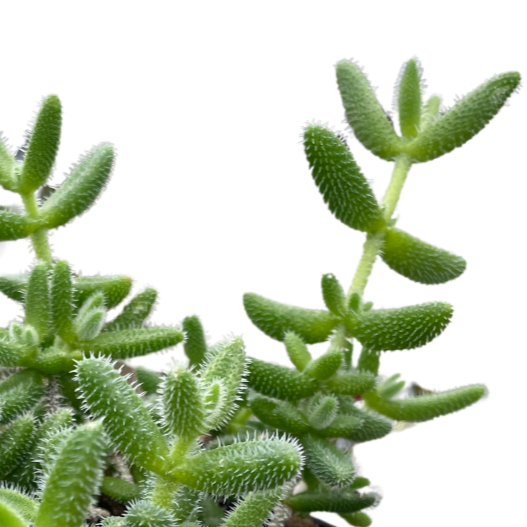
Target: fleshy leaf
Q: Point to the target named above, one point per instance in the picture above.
(68, 493)
(409, 98)
(43, 146)
(333, 294)
(80, 189)
(23, 504)
(351, 383)
(126, 419)
(322, 410)
(331, 500)
(255, 508)
(465, 119)
(195, 345)
(420, 261)
(279, 414)
(14, 443)
(114, 288)
(324, 366)
(119, 489)
(364, 113)
(426, 407)
(235, 469)
(37, 302)
(328, 463)
(10, 517)
(278, 381)
(276, 319)
(401, 328)
(146, 514)
(13, 226)
(358, 519)
(135, 312)
(62, 300)
(7, 163)
(297, 350)
(339, 179)
(133, 342)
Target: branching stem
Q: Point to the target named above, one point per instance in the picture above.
(39, 238)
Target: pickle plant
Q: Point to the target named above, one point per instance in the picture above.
(77, 436)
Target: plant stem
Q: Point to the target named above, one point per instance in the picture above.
(400, 171)
(40, 238)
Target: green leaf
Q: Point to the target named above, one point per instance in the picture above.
(182, 405)
(149, 380)
(68, 493)
(465, 119)
(195, 345)
(333, 294)
(7, 163)
(328, 463)
(430, 112)
(420, 261)
(126, 419)
(80, 189)
(322, 410)
(278, 381)
(409, 98)
(401, 328)
(132, 342)
(330, 500)
(37, 302)
(426, 407)
(135, 312)
(297, 350)
(358, 519)
(339, 179)
(279, 414)
(145, 514)
(19, 394)
(10, 354)
(90, 318)
(62, 300)
(372, 425)
(351, 383)
(114, 288)
(10, 517)
(324, 366)
(14, 443)
(14, 226)
(24, 505)
(276, 319)
(369, 360)
(255, 508)
(235, 469)
(390, 387)
(14, 286)
(43, 146)
(364, 113)
(342, 425)
(119, 489)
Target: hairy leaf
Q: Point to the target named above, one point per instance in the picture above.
(297, 350)
(409, 98)
(195, 345)
(331, 500)
(135, 312)
(13, 226)
(255, 508)
(37, 302)
(279, 414)
(324, 366)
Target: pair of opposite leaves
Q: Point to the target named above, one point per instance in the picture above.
(426, 135)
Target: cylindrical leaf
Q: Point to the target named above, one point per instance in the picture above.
(13, 226)
(133, 342)
(68, 491)
(339, 179)
(420, 261)
(15, 441)
(37, 301)
(358, 519)
(10, 517)
(126, 418)
(426, 407)
(183, 412)
(322, 410)
(14, 286)
(409, 98)
(62, 299)
(324, 366)
(43, 146)
(23, 504)
(297, 350)
(330, 500)
(7, 163)
(255, 508)
(195, 345)
(278, 381)
(276, 319)
(149, 380)
(401, 328)
(241, 467)
(114, 288)
(81, 188)
(364, 113)
(119, 489)
(465, 119)
(329, 464)
(334, 296)
(135, 312)
(352, 383)
(279, 414)
(145, 514)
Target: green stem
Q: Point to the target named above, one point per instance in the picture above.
(164, 492)
(40, 237)
(393, 192)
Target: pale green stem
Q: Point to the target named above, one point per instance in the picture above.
(400, 171)
(165, 488)
(375, 241)
(40, 237)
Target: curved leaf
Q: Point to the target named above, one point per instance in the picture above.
(464, 120)
(401, 328)
(364, 113)
(339, 179)
(276, 319)
(409, 98)
(420, 261)
(426, 407)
